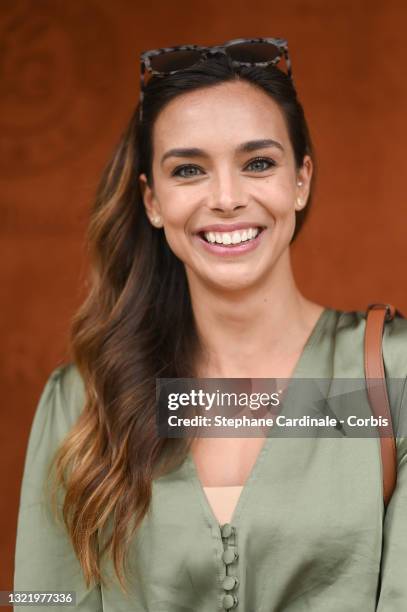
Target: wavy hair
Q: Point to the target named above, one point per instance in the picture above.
(135, 325)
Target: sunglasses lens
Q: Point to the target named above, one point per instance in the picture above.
(174, 60)
(254, 52)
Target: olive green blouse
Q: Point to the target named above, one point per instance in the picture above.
(308, 534)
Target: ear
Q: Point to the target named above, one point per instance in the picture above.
(150, 203)
(304, 177)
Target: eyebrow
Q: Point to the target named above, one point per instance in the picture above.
(245, 147)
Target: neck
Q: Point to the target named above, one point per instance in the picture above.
(244, 328)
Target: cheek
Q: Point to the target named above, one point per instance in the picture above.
(177, 206)
(176, 210)
(176, 238)
(277, 195)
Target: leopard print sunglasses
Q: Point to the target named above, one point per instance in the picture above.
(242, 51)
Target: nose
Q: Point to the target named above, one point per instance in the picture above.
(226, 193)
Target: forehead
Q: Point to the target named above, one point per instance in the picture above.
(227, 113)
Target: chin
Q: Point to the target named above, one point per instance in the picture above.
(233, 282)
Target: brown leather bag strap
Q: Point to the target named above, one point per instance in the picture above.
(377, 314)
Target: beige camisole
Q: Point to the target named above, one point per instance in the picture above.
(223, 501)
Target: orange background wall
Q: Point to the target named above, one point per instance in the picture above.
(69, 77)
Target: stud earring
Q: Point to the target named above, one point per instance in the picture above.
(156, 220)
(299, 204)
(299, 183)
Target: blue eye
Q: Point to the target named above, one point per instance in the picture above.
(260, 161)
(189, 174)
(191, 171)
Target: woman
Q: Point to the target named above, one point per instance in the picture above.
(190, 237)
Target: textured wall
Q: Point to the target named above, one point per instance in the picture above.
(69, 77)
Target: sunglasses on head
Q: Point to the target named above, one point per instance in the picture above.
(261, 52)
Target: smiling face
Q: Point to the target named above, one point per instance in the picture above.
(223, 158)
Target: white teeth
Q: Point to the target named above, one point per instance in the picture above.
(236, 238)
(231, 237)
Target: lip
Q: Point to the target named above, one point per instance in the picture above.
(227, 251)
(228, 227)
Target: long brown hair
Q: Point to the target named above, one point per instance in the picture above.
(137, 325)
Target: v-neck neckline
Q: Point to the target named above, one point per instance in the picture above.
(299, 369)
